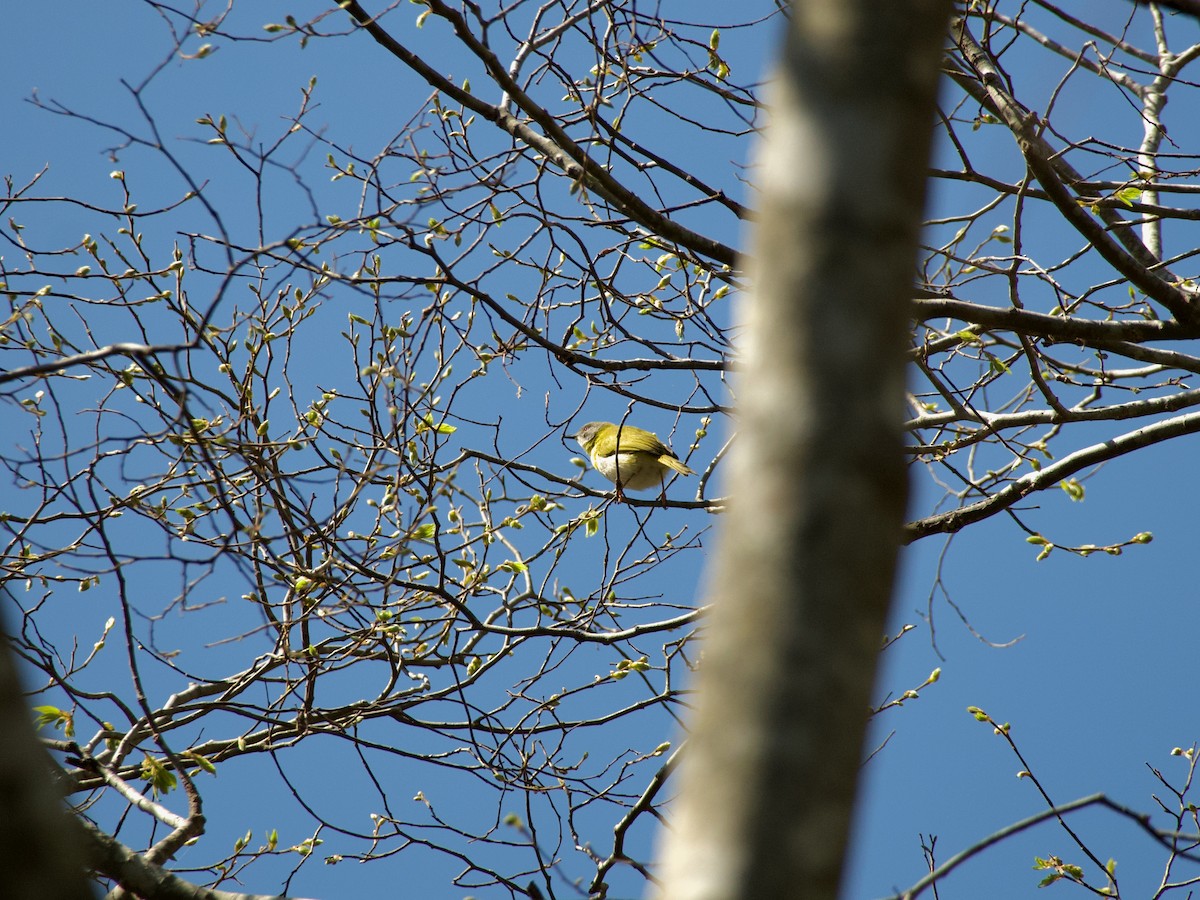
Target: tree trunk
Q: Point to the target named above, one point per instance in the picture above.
(805, 566)
(39, 856)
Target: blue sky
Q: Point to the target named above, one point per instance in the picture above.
(1098, 685)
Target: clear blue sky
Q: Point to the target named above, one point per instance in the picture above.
(1100, 684)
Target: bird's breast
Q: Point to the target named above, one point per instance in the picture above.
(634, 471)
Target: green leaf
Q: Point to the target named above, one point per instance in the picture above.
(1129, 196)
(426, 424)
(306, 847)
(1074, 489)
(48, 715)
(158, 776)
(202, 761)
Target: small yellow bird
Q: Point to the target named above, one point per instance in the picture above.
(631, 458)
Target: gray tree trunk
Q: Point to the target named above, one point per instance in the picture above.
(40, 858)
(806, 561)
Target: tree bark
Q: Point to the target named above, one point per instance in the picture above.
(805, 567)
(40, 859)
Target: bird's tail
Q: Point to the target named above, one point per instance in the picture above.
(673, 463)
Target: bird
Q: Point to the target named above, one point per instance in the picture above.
(630, 457)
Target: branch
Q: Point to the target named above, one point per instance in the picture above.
(1062, 328)
(555, 144)
(1190, 7)
(1129, 257)
(112, 859)
(137, 351)
(956, 520)
(621, 829)
(954, 862)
